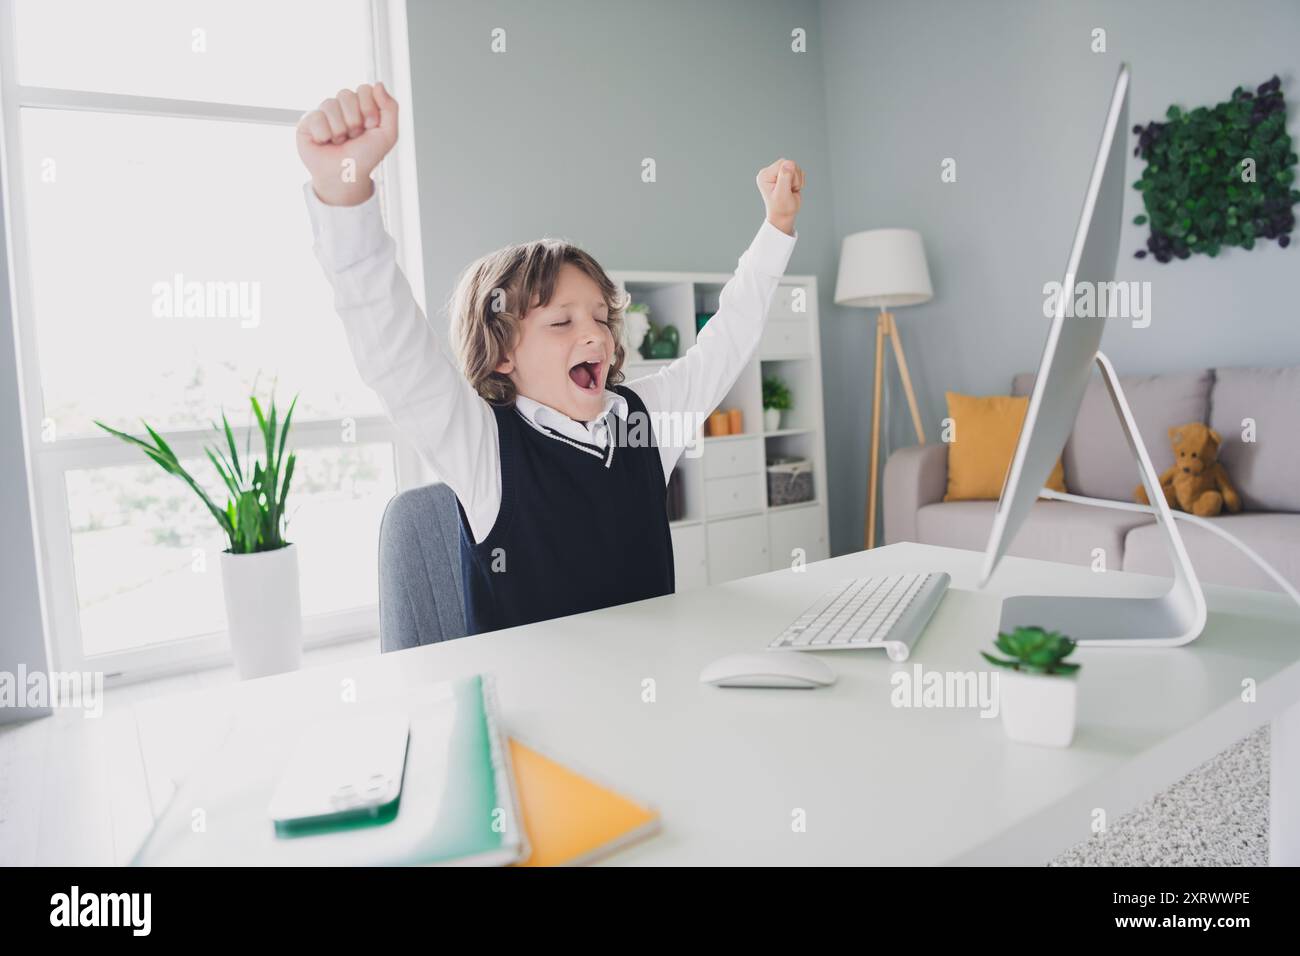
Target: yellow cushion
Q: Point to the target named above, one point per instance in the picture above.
(984, 433)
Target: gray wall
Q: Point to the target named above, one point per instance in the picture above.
(548, 138)
(1012, 91)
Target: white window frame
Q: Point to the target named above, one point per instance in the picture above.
(50, 461)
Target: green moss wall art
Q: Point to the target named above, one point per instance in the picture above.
(1218, 176)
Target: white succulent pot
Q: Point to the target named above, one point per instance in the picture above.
(1038, 708)
(771, 419)
(263, 611)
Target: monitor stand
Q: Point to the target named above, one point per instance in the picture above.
(1173, 618)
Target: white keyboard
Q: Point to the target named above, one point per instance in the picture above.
(889, 611)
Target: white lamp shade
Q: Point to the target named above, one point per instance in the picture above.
(883, 268)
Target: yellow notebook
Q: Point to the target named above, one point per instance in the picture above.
(569, 819)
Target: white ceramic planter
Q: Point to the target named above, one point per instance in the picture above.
(635, 326)
(263, 611)
(1038, 708)
(771, 419)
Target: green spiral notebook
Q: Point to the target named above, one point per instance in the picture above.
(458, 803)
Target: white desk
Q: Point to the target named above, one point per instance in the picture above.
(878, 784)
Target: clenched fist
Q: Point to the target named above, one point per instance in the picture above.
(781, 186)
(344, 139)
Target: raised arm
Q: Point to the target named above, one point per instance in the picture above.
(695, 383)
(393, 345)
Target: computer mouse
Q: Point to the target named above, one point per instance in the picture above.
(774, 669)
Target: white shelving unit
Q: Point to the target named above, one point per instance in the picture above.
(728, 529)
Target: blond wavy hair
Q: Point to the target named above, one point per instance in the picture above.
(492, 295)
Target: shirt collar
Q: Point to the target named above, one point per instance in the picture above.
(543, 415)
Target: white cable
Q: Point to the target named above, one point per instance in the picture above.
(1200, 522)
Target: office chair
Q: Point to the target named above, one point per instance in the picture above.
(420, 600)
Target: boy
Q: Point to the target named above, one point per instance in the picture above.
(559, 513)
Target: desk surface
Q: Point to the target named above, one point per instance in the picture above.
(876, 783)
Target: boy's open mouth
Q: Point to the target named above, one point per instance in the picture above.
(586, 375)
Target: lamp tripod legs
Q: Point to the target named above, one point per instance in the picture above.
(886, 328)
(882, 323)
(907, 379)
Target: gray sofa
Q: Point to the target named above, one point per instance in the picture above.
(1099, 464)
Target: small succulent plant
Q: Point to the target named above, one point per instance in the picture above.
(1034, 651)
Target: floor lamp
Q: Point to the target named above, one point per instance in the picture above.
(884, 268)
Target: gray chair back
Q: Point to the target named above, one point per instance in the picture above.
(420, 599)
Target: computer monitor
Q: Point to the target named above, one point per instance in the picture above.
(1072, 350)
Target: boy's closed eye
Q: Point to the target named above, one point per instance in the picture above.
(602, 319)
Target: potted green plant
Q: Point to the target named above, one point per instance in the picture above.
(259, 570)
(776, 399)
(1037, 689)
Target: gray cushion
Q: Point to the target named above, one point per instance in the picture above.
(1097, 459)
(1054, 531)
(1267, 470)
(1216, 561)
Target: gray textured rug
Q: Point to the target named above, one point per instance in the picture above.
(1215, 816)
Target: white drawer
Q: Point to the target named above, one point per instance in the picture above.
(797, 528)
(726, 459)
(729, 496)
(690, 565)
(786, 337)
(737, 548)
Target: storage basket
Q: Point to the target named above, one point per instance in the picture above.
(789, 481)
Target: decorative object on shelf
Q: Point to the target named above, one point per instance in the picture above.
(776, 399)
(789, 480)
(719, 424)
(636, 324)
(1196, 483)
(735, 421)
(883, 268)
(1037, 691)
(1218, 176)
(259, 571)
(701, 318)
(661, 342)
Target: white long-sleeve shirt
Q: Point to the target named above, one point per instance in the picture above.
(398, 354)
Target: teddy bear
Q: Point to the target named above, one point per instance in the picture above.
(1196, 483)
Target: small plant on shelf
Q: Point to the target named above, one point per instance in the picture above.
(776, 400)
(636, 329)
(776, 394)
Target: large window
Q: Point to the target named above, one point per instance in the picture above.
(164, 272)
